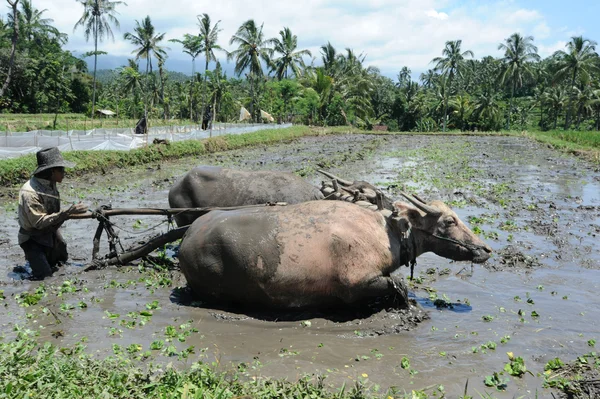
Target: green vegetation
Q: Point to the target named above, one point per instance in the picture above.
(30, 369)
(519, 91)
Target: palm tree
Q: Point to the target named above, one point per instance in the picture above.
(429, 78)
(192, 45)
(404, 78)
(519, 53)
(451, 64)
(328, 55)
(34, 25)
(147, 42)
(131, 81)
(487, 109)
(556, 99)
(97, 17)
(13, 49)
(462, 109)
(290, 58)
(578, 61)
(209, 36)
(252, 48)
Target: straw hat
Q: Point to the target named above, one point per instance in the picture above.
(51, 158)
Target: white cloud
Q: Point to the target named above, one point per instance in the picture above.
(437, 15)
(546, 51)
(393, 33)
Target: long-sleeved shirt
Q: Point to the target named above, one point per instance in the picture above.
(39, 211)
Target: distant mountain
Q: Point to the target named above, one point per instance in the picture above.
(179, 68)
(105, 76)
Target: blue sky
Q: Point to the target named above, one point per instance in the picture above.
(392, 33)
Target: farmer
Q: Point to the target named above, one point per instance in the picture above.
(40, 216)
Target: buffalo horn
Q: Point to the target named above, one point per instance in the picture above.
(334, 177)
(421, 205)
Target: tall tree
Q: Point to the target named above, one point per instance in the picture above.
(252, 48)
(290, 58)
(579, 60)
(328, 55)
(15, 38)
(404, 78)
(147, 42)
(519, 55)
(34, 25)
(209, 36)
(451, 64)
(148, 46)
(98, 15)
(192, 46)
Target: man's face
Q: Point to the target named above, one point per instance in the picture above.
(58, 174)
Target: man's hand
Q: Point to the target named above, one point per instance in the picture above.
(76, 209)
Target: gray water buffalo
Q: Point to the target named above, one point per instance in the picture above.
(206, 186)
(318, 253)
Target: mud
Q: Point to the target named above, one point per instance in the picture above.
(536, 297)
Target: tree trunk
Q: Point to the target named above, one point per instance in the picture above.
(510, 105)
(568, 113)
(191, 88)
(13, 49)
(203, 109)
(95, 65)
(445, 115)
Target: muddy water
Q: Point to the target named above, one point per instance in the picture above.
(537, 208)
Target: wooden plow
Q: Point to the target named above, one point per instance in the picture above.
(117, 254)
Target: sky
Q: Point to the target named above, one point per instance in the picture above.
(391, 33)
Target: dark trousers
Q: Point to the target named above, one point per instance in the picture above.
(43, 259)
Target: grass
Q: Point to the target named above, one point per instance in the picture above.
(581, 143)
(29, 122)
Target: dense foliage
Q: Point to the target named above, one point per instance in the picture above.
(517, 91)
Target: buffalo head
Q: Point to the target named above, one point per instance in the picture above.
(436, 228)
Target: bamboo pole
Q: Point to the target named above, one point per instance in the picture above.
(166, 211)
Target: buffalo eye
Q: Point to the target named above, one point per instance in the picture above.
(450, 222)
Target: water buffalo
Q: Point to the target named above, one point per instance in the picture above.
(206, 186)
(318, 253)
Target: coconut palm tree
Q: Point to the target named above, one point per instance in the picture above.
(192, 46)
(451, 64)
(209, 36)
(290, 58)
(404, 78)
(34, 25)
(329, 57)
(428, 78)
(556, 98)
(487, 109)
(519, 55)
(131, 81)
(98, 15)
(578, 61)
(147, 42)
(252, 48)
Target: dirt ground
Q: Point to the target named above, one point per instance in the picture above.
(536, 297)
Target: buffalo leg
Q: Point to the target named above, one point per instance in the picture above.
(381, 286)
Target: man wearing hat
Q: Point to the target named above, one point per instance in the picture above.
(40, 216)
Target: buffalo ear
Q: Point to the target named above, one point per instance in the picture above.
(409, 211)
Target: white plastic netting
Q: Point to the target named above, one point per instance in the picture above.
(21, 143)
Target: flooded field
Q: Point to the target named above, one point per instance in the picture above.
(537, 297)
